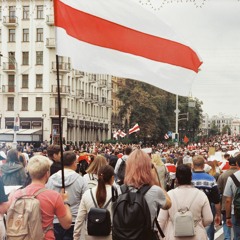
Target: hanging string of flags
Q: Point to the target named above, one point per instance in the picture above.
(122, 134)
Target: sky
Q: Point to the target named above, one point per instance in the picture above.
(212, 27)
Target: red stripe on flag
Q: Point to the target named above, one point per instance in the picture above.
(101, 32)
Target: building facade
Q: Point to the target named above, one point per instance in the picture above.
(220, 121)
(29, 86)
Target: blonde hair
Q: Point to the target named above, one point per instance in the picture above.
(96, 164)
(38, 166)
(156, 159)
(138, 169)
(198, 161)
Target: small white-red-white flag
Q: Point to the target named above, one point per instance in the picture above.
(121, 133)
(134, 129)
(166, 136)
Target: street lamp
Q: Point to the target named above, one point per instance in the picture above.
(13, 61)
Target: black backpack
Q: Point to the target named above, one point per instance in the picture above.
(99, 219)
(236, 199)
(131, 215)
(121, 172)
(82, 167)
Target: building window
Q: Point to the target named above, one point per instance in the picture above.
(26, 35)
(39, 80)
(25, 81)
(25, 12)
(12, 14)
(11, 35)
(39, 34)
(25, 58)
(24, 104)
(39, 12)
(39, 57)
(38, 104)
(10, 104)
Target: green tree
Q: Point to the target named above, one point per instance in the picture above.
(213, 131)
(226, 130)
(153, 109)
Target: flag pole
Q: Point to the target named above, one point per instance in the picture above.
(60, 120)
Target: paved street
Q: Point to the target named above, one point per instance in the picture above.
(219, 234)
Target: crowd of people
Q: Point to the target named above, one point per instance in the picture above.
(196, 177)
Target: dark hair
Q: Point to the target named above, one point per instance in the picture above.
(105, 174)
(12, 156)
(53, 149)
(237, 158)
(128, 150)
(69, 157)
(226, 155)
(184, 174)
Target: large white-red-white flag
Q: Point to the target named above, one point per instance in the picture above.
(124, 39)
(134, 129)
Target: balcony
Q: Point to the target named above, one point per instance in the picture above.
(102, 101)
(63, 89)
(92, 78)
(50, 20)
(50, 43)
(63, 67)
(88, 97)
(79, 93)
(9, 67)
(102, 83)
(10, 21)
(8, 89)
(79, 74)
(95, 98)
(55, 112)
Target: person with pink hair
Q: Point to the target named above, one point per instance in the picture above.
(138, 174)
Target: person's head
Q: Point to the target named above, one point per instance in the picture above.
(98, 162)
(54, 152)
(127, 150)
(232, 162)
(184, 174)
(105, 176)
(38, 167)
(156, 159)
(138, 169)
(238, 160)
(169, 160)
(226, 156)
(198, 162)
(12, 156)
(70, 159)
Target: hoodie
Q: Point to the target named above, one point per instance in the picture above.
(13, 174)
(74, 185)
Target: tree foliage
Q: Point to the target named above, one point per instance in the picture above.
(153, 109)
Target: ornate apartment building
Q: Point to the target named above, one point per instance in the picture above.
(28, 81)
